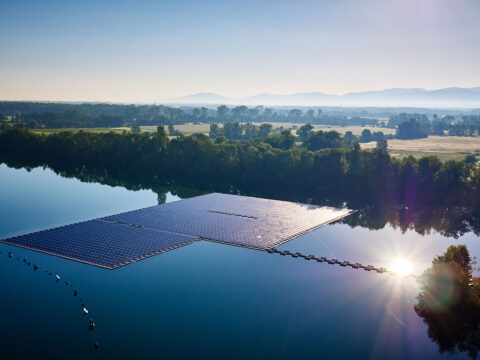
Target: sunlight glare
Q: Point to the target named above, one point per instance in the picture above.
(401, 266)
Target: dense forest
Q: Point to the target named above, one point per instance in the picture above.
(335, 175)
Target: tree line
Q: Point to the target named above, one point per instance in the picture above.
(60, 115)
(411, 126)
(335, 175)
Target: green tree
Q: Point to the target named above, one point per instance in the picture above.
(349, 136)
(214, 131)
(366, 136)
(161, 137)
(382, 145)
(323, 140)
(265, 130)
(136, 129)
(449, 302)
(284, 141)
(410, 129)
(222, 113)
(470, 159)
(304, 130)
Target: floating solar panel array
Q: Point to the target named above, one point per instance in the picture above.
(101, 243)
(120, 239)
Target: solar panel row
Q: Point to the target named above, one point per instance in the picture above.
(101, 243)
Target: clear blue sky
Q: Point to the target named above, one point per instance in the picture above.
(149, 50)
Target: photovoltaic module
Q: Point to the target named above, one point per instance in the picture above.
(124, 238)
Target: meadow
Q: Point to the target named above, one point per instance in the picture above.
(445, 147)
(117, 130)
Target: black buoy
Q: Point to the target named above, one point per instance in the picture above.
(75, 292)
(10, 255)
(25, 260)
(66, 283)
(96, 346)
(35, 267)
(91, 325)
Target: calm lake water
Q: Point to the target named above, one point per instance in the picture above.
(205, 300)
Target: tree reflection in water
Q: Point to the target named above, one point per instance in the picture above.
(451, 221)
(449, 302)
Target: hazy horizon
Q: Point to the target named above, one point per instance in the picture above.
(146, 51)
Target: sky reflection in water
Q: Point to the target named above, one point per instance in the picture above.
(208, 299)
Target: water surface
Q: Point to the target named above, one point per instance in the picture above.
(205, 300)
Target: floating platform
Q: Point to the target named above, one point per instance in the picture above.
(118, 240)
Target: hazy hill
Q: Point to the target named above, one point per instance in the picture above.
(447, 97)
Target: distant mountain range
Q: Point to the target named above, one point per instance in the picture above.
(415, 97)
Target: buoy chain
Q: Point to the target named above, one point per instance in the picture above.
(91, 324)
(356, 266)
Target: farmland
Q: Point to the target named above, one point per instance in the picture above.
(445, 147)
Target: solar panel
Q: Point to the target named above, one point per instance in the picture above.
(238, 220)
(101, 243)
(120, 239)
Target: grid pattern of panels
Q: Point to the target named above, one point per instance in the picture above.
(101, 243)
(245, 221)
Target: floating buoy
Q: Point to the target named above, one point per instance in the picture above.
(85, 311)
(75, 292)
(57, 277)
(91, 325)
(35, 267)
(25, 260)
(96, 346)
(10, 255)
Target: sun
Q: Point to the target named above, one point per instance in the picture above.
(402, 266)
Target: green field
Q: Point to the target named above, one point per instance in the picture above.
(94, 130)
(203, 128)
(444, 147)
(356, 130)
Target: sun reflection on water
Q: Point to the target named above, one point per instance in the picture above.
(401, 266)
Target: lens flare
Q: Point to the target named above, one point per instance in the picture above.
(402, 267)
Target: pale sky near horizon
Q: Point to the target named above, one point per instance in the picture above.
(146, 50)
